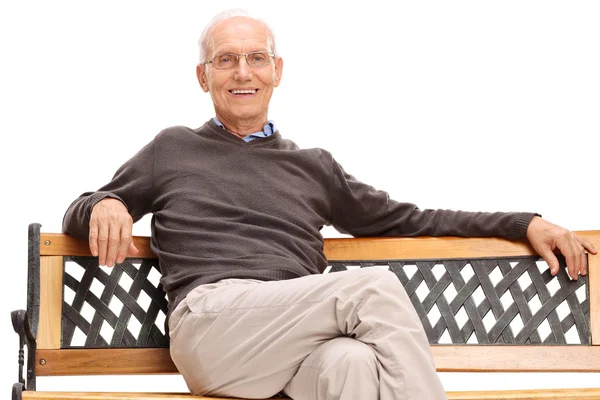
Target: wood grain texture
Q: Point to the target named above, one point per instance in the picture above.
(594, 290)
(60, 244)
(549, 394)
(51, 273)
(422, 248)
(351, 248)
(466, 358)
(518, 358)
(104, 362)
(119, 396)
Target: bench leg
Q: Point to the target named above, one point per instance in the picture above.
(17, 391)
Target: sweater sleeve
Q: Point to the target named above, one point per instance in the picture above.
(132, 184)
(360, 210)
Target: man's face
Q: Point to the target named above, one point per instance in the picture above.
(235, 36)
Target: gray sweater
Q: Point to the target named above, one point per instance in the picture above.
(223, 208)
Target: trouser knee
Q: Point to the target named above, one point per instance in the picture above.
(342, 368)
(381, 282)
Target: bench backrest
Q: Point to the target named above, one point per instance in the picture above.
(486, 304)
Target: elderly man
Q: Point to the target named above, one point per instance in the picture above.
(237, 212)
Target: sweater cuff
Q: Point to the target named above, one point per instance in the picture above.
(99, 196)
(522, 223)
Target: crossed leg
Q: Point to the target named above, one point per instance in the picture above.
(252, 339)
(342, 368)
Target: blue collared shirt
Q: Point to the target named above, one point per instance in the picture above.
(267, 131)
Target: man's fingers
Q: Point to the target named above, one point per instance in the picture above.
(582, 262)
(551, 260)
(93, 237)
(133, 249)
(573, 266)
(114, 242)
(568, 249)
(587, 245)
(546, 237)
(110, 231)
(125, 243)
(574, 256)
(102, 243)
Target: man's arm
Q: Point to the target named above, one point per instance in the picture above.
(105, 217)
(361, 210)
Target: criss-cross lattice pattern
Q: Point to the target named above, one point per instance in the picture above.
(486, 301)
(489, 301)
(123, 306)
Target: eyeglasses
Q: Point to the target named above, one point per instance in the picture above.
(254, 59)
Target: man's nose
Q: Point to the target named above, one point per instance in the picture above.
(242, 70)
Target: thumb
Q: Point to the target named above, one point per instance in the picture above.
(133, 249)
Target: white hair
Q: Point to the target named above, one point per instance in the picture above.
(203, 42)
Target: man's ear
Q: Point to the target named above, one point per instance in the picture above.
(201, 74)
(278, 70)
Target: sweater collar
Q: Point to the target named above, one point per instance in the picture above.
(267, 131)
(222, 133)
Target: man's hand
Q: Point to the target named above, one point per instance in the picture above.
(546, 238)
(110, 232)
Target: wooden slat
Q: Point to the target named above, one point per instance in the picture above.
(549, 394)
(518, 358)
(430, 247)
(340, 249)
(350, 248)
(422, 247)
(51, 269)
(594, 291)
(119, 396)
(469, 358)
(104, 362)
(59, 244)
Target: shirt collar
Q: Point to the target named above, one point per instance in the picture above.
(267, 131)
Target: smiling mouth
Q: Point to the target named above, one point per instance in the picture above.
(242, 92)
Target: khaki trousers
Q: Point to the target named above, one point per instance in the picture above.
(344, 335)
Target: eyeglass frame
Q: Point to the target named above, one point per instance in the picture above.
(271, 55)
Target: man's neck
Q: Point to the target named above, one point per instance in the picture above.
(243, 128)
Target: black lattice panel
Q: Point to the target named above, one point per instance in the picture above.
(123, 306)
(488, 301)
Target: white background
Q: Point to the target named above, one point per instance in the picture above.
(472, 105)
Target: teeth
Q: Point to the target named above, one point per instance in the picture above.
(245, 91)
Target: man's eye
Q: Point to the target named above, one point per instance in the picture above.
(259, 57)
(225, 59)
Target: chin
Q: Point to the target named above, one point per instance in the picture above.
(246, 115)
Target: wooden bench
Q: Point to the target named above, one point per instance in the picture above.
(486, 305)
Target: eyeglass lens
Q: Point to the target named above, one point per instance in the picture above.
(257, 59)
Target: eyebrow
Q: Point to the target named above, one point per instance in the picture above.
(222, 53)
